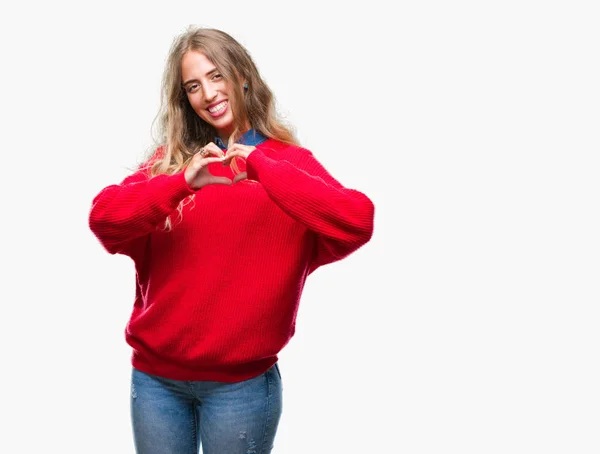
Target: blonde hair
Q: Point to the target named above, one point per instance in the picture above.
(182, 132)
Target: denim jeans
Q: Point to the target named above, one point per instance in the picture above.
(173, 416)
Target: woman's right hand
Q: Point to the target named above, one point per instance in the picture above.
(196, 172)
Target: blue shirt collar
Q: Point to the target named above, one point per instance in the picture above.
(250, 137)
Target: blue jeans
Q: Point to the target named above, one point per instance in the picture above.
(173, 416)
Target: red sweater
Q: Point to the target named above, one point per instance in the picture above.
(217, 296)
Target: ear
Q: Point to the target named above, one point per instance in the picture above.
(241, 80)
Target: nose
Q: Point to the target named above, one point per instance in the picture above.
(210, 92)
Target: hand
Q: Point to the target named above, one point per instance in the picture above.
(197, 174)
(238, 151)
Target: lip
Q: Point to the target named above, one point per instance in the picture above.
(215, 103)
(221, 113)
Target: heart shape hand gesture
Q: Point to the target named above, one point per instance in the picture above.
(238, 151)
(197, 174)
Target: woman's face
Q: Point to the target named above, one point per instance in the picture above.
(207, 92)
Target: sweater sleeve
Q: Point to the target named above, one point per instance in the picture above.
(124, 212)
(341, 218)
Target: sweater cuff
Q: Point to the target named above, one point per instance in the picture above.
(178, 186)
(255, 160)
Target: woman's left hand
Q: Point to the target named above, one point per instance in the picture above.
(238, 151)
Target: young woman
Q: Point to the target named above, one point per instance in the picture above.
(224, 222)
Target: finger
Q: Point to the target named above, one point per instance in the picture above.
(214, 149)
(233, 153)
(210, 160)
(244, 148)
(240, 146)
(242, 151)
(240, 176)
(208, 151)
(221, 180)
(203, 162)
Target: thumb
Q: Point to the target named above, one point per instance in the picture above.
(240, 176)
(221, 180)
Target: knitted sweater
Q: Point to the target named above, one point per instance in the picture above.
(217, 296)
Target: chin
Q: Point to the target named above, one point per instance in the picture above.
(226, 127)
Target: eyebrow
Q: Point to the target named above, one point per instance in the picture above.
(196, 80)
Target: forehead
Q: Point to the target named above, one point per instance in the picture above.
(195, 63)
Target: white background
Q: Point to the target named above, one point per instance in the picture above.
(469, 323)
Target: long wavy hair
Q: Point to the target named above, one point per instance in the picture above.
(181, 132)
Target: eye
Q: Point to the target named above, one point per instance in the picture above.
(192, 88)
(217, 76)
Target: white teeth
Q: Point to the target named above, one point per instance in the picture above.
(219, 107)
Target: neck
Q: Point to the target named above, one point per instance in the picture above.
(224, 136)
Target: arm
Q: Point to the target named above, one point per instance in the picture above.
(125, 212)
(341, 218)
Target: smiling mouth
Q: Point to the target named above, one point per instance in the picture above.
(218, 108)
